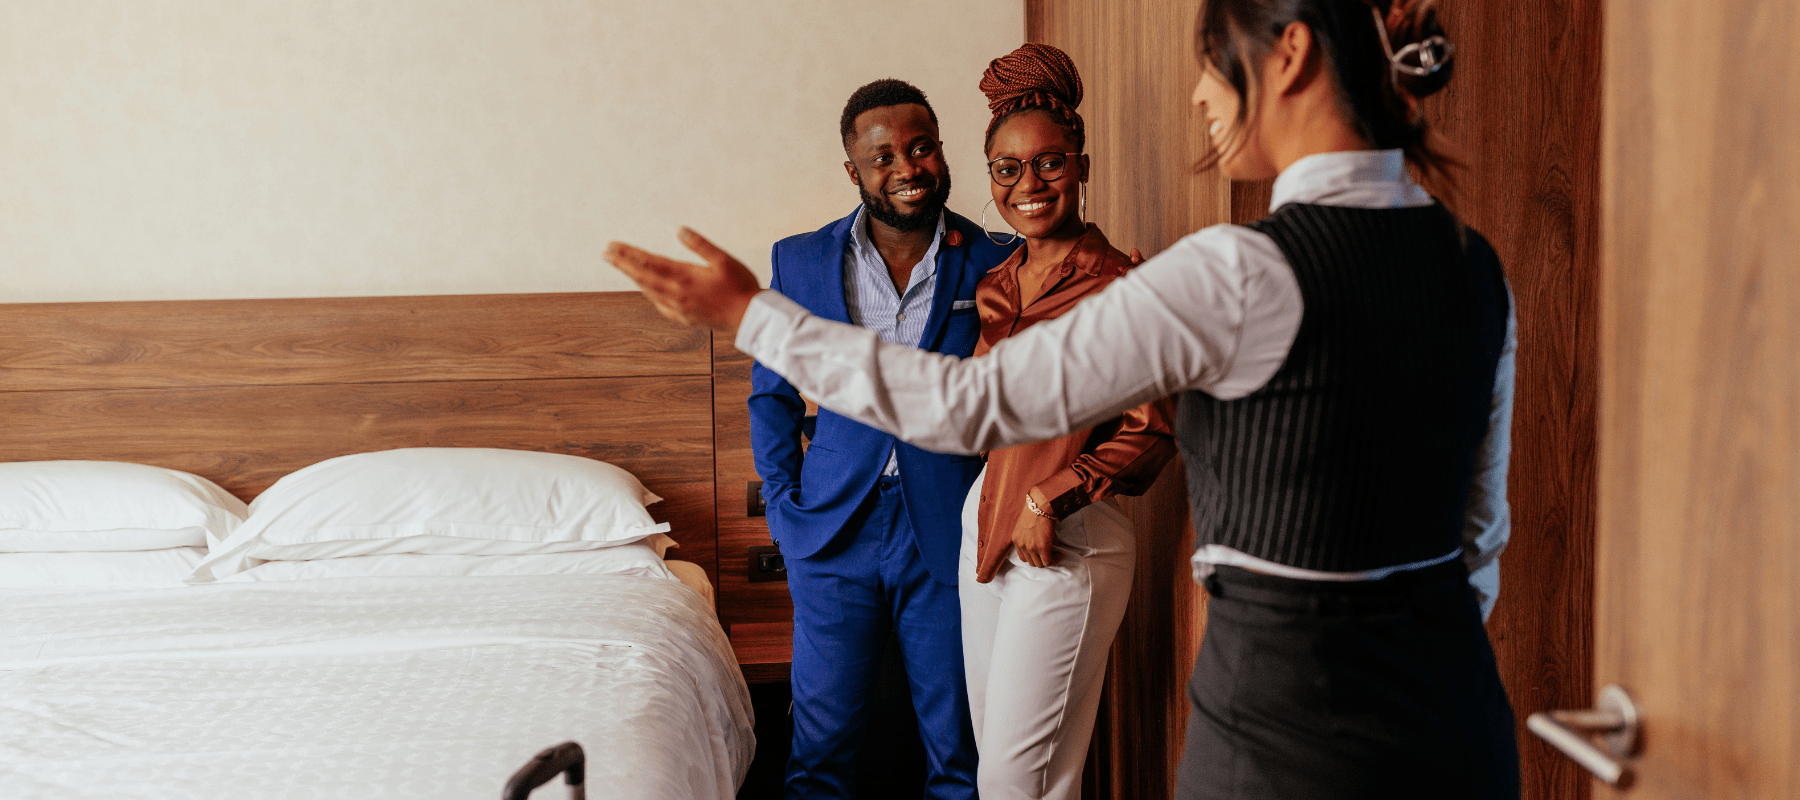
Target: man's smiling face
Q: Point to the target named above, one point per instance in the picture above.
(897, 163)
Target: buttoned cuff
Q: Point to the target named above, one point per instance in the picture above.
(1067, 492)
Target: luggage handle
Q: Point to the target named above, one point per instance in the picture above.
(565, 758)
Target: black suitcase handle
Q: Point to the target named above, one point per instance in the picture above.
(565, 758)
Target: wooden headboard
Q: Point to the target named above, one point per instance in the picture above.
(245, 391)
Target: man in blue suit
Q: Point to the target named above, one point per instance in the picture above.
(869, 527)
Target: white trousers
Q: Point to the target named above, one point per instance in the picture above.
(1035, 646)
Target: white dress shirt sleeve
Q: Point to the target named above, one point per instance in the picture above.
(1487, 524)
(1216, 313)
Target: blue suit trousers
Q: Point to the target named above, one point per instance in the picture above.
(847, 598)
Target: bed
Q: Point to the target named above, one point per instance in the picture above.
(372, 685)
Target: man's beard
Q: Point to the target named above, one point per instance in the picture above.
(930, 208)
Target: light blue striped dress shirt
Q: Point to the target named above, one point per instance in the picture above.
(897, 317)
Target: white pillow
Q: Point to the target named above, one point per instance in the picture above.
(148, 569)
(637, 558)
(71, 506)
(459, 501)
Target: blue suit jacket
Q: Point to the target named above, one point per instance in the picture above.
(811, 498)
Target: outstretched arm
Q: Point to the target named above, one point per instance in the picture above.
(712, 295)
(1191, 318)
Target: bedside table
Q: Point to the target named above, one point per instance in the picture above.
(765, 650)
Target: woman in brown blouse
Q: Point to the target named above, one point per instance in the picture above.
(1047, 560)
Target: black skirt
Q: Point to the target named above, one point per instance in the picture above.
(1378, 689)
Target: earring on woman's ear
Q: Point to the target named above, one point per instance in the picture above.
(990, 234)
(1084, 202)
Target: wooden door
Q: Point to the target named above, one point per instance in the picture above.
(1698, 570)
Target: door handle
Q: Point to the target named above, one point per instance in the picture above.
(1616, 721)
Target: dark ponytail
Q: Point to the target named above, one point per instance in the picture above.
(1379, 83)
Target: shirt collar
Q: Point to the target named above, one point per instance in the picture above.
(1089, 251)
(1088, 255)
(1355, 178)
(865, 250)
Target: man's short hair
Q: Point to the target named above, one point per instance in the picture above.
(884, 92)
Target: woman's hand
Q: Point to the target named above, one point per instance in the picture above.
(1034, 536)
(714, 294)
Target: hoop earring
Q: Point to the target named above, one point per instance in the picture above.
(990, 234)
(1083, 191)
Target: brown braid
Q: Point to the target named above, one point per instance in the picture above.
(1034, 76)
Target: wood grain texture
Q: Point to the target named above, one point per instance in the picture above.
(243, 392)
(1250, 200)
(245, 438)
(1524, 110)
(1138, 65)
(765, 650)
(1138, 68)
(1699, 516)
(340, 340)
(1143, 712)
(742, 602)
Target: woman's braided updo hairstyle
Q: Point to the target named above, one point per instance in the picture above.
(1035, 77)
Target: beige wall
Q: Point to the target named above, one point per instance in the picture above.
(180, 149)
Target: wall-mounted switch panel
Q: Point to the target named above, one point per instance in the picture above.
(753, 500)
(766, 564)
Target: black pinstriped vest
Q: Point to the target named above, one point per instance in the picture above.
(1359, 452)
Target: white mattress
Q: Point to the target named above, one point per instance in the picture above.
(369, 688)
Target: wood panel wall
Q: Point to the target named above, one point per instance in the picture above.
(758, 616)
(1137, 69)
(1524, 109)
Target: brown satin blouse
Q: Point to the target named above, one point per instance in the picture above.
(1121, 456)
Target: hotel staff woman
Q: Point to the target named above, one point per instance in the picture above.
(1344, 369)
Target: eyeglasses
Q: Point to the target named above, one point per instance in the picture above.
(1007, 170)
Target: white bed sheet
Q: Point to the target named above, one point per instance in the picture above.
(369, 688)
